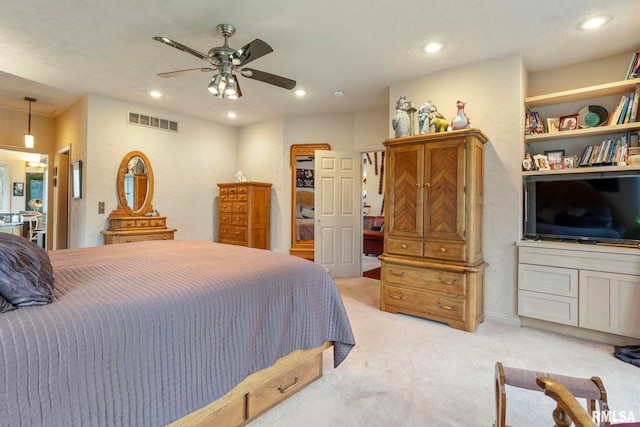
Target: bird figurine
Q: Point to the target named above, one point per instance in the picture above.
(460, 121)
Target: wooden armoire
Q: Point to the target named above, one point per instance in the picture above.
(432, 265)
(244, 214)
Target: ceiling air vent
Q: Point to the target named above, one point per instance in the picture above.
(152, 122)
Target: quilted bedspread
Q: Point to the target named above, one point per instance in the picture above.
(144, 333)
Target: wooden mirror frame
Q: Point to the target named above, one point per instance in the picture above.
(123, 208)
(302, 248)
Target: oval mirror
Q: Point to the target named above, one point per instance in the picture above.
(135, 184)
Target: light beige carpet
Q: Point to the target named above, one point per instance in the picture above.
(407, 371)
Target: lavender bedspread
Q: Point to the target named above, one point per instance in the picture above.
(144, 333)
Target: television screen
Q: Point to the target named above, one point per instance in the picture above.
(574, 207)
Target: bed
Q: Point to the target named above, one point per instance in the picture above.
(160, 332)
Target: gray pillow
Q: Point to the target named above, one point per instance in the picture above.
(26, 276)
(6, 305)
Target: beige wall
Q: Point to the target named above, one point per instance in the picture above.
(495, 105)
(186, 165)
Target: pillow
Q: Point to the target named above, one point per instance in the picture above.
(26, 275)
(308, 213)
(6, 305)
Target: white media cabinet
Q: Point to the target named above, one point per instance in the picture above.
(580, 288)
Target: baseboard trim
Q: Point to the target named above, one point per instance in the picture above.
(574, 331)
(501, 318)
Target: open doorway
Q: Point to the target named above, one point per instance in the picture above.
(373, 212)
(24, 189)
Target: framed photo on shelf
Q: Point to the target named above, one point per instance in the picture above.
(554, 156)
(541, 162)
(569, 122)
(553, 124)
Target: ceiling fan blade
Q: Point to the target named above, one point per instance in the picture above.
(272, 79)
(253, 50)
(181, 47)
(186, 72)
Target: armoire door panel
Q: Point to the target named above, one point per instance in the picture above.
(444, 203)
(405, 168)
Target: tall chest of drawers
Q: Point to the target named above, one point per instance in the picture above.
(432, 265)
(244, 212)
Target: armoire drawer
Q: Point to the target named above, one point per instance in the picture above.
(441, 305)
(404, 247)
(447, 251)
(424, 279)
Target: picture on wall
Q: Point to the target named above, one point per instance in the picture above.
(18, 188)
(304, 178)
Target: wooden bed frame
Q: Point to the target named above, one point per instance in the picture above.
(260, 391)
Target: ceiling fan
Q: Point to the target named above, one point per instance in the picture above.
(226, 61)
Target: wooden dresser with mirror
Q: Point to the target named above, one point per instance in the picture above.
(135, 219)
(302, 158)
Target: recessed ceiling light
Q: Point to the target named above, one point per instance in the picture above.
(155, 94)
(594, 22)
(433, 47)
(338, 93)
(300, 92)
(232, 115)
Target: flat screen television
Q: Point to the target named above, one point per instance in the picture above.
(585, 208)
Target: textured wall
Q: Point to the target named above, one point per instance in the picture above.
(187, 166)
(493, 90)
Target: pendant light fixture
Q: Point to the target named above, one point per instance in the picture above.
(29, 139)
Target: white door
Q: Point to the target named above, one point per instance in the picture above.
(338, 238)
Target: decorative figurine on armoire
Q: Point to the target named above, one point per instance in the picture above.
(461, 120)
(401, 122)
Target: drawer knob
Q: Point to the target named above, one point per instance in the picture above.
(444, 282)
(295, 382)
(443, 250)
(397, 273)
(396, 296)
(447, 307)
(403, 246)
(427, 185)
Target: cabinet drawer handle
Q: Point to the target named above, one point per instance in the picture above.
(444, 282)
(396, 273)
(295, 382)
(396, 296)
(443, 250)
(237, 233)
(447, 307)
(403, 246)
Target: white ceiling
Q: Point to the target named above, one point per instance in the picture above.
(57, 51)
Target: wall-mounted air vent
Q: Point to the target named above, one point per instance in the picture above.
(152, 122)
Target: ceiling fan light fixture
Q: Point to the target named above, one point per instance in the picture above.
(216, 86)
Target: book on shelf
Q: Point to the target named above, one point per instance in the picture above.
(623, 110)
(609, 152)
(634, 107)
(616, 112)
(634, 67)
